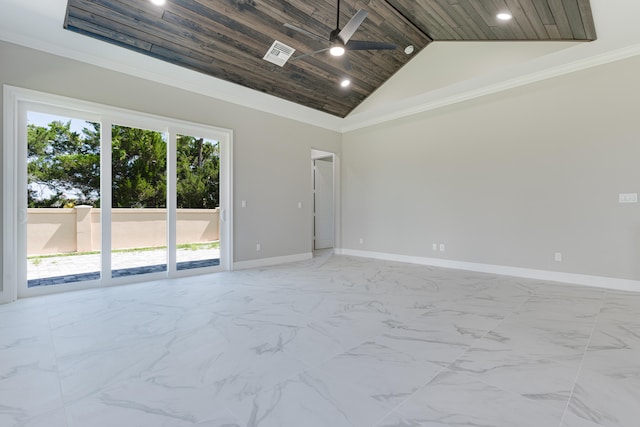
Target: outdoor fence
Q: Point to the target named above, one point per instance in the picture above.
(55, 230)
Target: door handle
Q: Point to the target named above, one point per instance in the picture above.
(23, 218)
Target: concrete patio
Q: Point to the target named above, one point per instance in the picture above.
(73, 268)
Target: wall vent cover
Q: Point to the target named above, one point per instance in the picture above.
(279, 53)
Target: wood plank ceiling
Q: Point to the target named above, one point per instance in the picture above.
(228, 39)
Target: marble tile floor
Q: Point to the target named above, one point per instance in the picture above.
(331, 342)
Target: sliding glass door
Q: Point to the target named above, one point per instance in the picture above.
(138, 201)
(111, 197)
(63, 199)
(197, 202)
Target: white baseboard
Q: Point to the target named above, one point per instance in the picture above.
(265, 262)
(553, 276)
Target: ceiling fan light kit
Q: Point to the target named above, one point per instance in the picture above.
(340, 39)
(337, 50)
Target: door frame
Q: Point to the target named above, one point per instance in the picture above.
(322, 154)
(16, 101)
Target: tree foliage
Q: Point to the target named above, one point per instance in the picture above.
(139, 166)
(198, 170)
(63, 165)
(64, 168)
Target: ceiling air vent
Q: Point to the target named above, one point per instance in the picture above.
(279, 53)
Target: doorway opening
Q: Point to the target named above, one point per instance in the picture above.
(324, 196)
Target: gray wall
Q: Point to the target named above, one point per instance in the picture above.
(272, 168)
(507, 179)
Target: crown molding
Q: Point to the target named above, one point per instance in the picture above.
(433, 100)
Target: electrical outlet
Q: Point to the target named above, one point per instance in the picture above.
(258, 247)
(243, 203)
(558, 256)
(299, 205)
(434, 246)
(361, 240)
(441, 247)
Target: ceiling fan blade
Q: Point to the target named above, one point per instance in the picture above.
(295, 58)
(306, 33)
(366, 45)
(345, 34)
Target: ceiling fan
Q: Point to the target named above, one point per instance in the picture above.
(340, 39)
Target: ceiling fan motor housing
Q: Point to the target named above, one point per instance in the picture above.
(334, 36)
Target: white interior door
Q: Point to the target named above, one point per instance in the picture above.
(323, 203)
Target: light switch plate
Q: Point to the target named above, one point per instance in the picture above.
(628, 198)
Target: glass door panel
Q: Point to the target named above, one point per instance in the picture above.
(63, 200)
(101, 194)
(198, 202)
(139, 201)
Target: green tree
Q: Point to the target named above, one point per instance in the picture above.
(139, 168)
(64, 168)
(198, 172)
(63, 163)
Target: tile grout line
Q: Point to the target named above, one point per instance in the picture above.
(446, 368)
(515, 310)
(371, 338)
(584, 356)
(419, 389)
(492, 329)
(55, 355)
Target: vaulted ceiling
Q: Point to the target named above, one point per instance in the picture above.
(228, 39)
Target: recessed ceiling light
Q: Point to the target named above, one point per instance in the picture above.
(409, 49)
(345, 83)
(337, 50)
(504, 16)
(159, 2)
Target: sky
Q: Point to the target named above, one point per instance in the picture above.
(42, 119)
